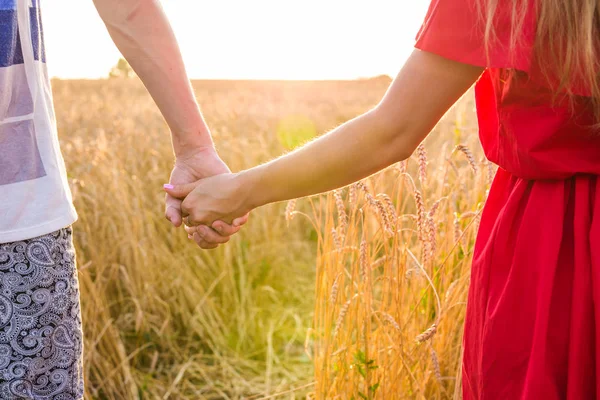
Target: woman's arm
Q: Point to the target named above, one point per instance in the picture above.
(426, 87)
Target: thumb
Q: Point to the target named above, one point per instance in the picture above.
(180, 191)
(173, 210)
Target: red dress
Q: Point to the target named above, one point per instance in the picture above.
(532, 328)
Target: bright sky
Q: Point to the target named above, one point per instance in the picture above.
(258, 39)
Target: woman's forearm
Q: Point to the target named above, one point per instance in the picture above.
(354, 150)
(144, 36)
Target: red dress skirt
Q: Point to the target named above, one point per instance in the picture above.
(533, 313)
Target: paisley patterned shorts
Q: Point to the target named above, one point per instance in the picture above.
(40, 320)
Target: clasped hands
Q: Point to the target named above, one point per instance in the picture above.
(211, 202)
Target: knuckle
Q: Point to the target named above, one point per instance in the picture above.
(202, 218)
(185, 205)
(195, 215)
(192, 219)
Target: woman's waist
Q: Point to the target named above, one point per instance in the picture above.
(548, 175)
(558, 164)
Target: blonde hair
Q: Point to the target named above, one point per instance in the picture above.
(567, 41)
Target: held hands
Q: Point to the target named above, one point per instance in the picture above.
(213, 201)
(189, 168)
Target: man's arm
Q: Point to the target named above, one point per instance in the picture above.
(144, 36)
(142, 33)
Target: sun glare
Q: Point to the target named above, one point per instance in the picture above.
(264, 39)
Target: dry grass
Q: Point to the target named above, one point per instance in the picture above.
(164, 320)
(395, 329)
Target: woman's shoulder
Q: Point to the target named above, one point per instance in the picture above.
(456, 29)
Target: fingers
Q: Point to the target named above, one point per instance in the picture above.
(210, 236)
(189, 221)
(202, 243)
(193, 216)
(180, 191)
(190, 230)
(225, 229)
(207, 235)
(241, 220)
(173, 210)
(220, 227)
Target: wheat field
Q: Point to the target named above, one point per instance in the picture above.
(355, 294)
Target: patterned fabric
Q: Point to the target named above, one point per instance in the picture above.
(40, 320)
(31, 165)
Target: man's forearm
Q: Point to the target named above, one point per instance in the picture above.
(144, 36)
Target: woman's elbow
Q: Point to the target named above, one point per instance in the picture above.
(399, 138)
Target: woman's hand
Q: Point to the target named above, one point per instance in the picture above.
(210, 204)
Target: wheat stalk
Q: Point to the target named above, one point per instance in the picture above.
(428, 334)
(435, 207)
(465, 150)
(422, 157)
(336, 239)
(341, 316)
(420, 214)
(457, 230)
(392, 321)
(341, 208)
(289, 210)
(364, 261)
(352, 195)
(436, 366)
(402, 166)
(334, 289)
(432, 237)
(390, 208)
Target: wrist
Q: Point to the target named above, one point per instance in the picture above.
(252, 184)
(193, 150)
(192, 142)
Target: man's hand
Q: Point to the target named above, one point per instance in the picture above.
(190, 167)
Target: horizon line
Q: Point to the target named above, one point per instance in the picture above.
(359, 78)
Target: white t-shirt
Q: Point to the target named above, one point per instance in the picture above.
(34, 194)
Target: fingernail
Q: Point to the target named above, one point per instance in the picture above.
(168, 186)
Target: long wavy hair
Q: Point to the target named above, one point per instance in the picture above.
(567, 42)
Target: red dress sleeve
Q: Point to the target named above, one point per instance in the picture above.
(454, 29)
